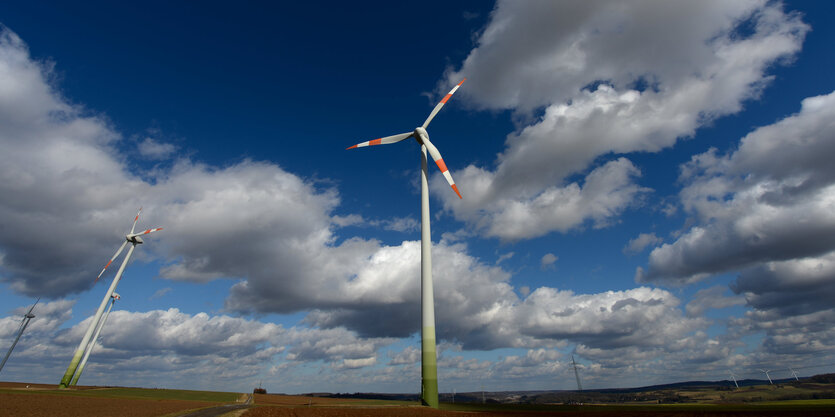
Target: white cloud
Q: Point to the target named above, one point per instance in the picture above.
(548, 261)
(409, 355)
(771, 200)
(161, 292)
(152, 149)
(504, 257)
(643, 240)
(612, 78)
(710, 298)
(793, 287)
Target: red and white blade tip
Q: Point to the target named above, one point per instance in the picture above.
(377, 141)
(149, 231)
(451, 92)
(102, 271)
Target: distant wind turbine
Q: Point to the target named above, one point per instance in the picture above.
(92, 343)
(23, 325)
(429, 367)
(733, 376)
(794, 374)
(766, 371)
(576, 374)
(134, 239)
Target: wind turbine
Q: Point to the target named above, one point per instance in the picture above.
(767, 376)
(134, 239)
(733, 376)
(576, 374)
(23, 324)
(429, 367)
(794, 374)
(92, 343)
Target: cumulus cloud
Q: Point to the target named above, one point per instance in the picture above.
(152, 149)
(159, 347)
(793, 287)
(710, 298)
(771, 200)
(49, 316)
(801, 334)
(638, 244)
(221, 222)
(408, 356)
(608, 78)
(547, 261)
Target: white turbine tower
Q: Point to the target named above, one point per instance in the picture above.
(95, 338)
(766, 371)
(134, 239)
(23, 325)
(429, 368)
(576, 374)
(794, 374)
(733, 376)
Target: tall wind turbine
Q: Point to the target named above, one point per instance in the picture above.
(429, 367)
(576, 374)
(733, 376)
(23, 324)
(92, 343)
(794, 374)
(766, 371)
(134, 239)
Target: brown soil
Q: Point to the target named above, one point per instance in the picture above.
(290, 400)
(426, 412)
(37, 405)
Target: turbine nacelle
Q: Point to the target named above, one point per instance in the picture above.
(420, 135)
(132, 238)
(422, 138)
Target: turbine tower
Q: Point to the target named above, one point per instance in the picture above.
(733, 376)
(23, 325)
(92, 343)
(767, 376)
(134, 239)
(429, 368)
(576, 374)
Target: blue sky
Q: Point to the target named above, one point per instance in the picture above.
(646, 186)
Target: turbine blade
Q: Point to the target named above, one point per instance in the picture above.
(383, 141)
(111, 260)
(135, 219)
(441, 165)
(145, 232)
(441, 104)
(33, 306)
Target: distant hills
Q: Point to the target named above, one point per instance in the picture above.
(818, 386)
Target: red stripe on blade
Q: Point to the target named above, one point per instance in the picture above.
(444, 100)
(455, 188)
(441, 165)
(352, 147)
(375, 142)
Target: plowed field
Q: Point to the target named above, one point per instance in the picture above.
(30, 404)
(421, 412)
